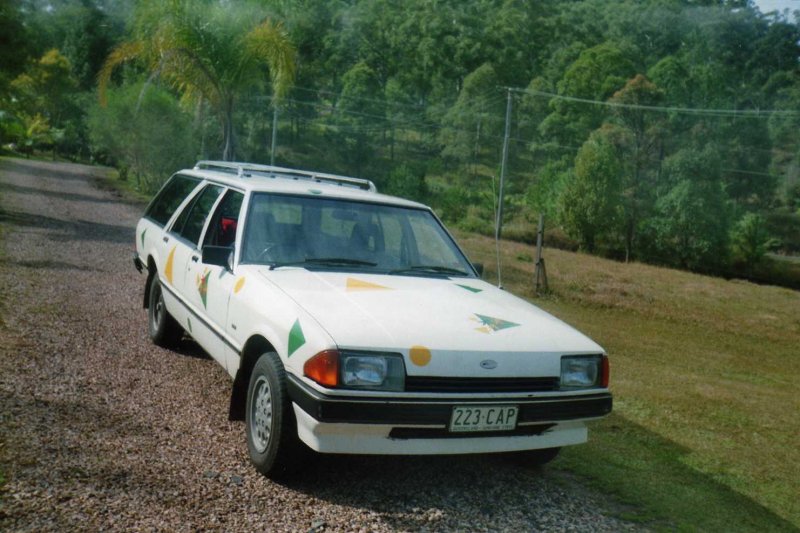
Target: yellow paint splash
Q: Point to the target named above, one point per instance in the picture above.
(168, 267)
(359, 285)
(239, 285)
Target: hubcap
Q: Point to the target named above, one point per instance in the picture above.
(158, 306)
(261, 414)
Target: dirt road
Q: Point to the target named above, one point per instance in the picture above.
(102, 430)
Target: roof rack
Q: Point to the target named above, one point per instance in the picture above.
(246, 170)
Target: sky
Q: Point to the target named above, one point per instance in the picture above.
(771, 5)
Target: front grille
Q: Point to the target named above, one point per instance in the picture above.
(449, 384)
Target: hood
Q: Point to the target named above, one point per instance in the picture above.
(456, 321)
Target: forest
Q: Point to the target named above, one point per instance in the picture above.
(660, 131)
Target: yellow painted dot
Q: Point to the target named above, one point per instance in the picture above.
(420, 355)
(238, 286)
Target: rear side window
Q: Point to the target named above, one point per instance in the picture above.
(170, 197)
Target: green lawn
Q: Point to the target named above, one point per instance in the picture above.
(705, 433)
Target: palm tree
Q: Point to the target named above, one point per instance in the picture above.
(208, 52)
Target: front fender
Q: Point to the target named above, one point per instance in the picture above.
(260, 308)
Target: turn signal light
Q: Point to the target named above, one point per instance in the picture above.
(604, 372)
(323, 368)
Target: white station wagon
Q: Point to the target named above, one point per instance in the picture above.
(351, 322)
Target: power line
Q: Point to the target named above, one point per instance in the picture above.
(409, 124)
(753, 172)
(727, 113)
(382, 119)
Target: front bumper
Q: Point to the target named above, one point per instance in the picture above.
(342, 424)
(404, 411)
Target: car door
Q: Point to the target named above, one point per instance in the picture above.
(212, 285)
(183, 251)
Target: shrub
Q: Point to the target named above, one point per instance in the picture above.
(145, 131)
(406, 183)
(749, 240)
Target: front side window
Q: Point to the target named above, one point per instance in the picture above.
(328, 234)
(225, 221)
(170, 197)
(191, 220)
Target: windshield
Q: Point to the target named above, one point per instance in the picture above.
(323, 234)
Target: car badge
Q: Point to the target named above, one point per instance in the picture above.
(488, 364)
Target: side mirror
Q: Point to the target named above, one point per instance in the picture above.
(479, 268)
(218, 255)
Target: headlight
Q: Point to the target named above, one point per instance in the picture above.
(584, 371)
(361, 370)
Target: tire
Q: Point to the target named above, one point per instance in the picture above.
(534, 457)
(270, 425)
(164, 330)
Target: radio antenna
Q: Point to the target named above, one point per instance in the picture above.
(496, 237)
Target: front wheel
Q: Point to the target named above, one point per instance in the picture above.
(269, 420)
(164, 330)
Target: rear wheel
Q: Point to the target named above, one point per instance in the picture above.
(164, 330)
(269, 420)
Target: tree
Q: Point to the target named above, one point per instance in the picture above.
(476, 113)
(640, 145)
(13, 41)
(47, 87)
(596, 74)
(590, 203)
(692, 218)
(360, 115)
(45, 102)
(209, 52)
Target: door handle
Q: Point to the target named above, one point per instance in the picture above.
(165, 239)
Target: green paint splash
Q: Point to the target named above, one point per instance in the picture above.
(296, 337)
(202, 288)
(495, 324)
(467, 287)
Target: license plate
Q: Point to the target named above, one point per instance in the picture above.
(483, 418)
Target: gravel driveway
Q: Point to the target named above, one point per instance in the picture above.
(102, 430)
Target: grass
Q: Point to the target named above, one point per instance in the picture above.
(706, 422)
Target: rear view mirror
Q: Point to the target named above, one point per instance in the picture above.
(218, 255)
(479, 268)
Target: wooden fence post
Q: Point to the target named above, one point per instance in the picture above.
(540, 273)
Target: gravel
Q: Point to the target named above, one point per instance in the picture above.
(101, 430)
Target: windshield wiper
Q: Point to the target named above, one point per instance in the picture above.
(430, 269)
(323, 261)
